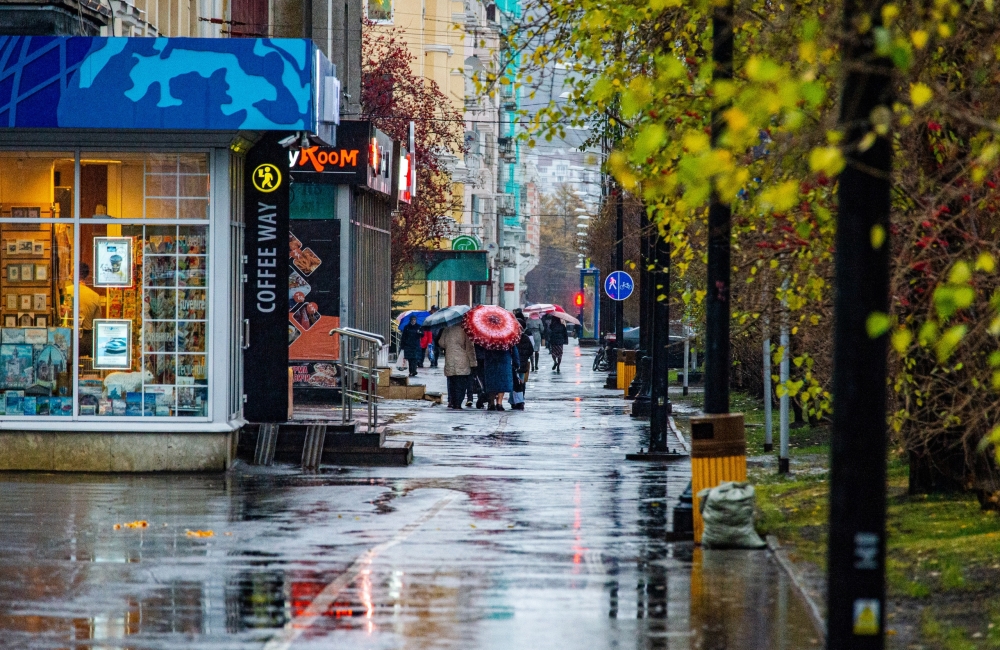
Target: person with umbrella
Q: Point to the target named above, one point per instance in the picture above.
(534, 329)
(497, 331)
(410, 342)
(459, 360)
(525, 348)
(558, 337)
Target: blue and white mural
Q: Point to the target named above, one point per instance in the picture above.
(160, 83)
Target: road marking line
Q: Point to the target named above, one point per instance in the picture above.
(325, 599)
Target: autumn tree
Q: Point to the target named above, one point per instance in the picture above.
(391, 97)
(645, 66)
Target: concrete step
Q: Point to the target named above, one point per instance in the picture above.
(343, 445)
(395, 453)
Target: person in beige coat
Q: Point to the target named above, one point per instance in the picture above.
(459, 360)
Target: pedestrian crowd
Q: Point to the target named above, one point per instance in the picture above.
(482, 372)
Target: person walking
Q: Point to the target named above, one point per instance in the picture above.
(534, 329)
(558, 337)
(525, 351)
(477, 380)
(432, 347)
(410, 341)
(426, 340)
(459, 360)
(499, 376)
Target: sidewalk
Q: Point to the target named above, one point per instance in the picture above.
(510, 530)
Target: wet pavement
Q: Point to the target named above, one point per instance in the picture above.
(510, 530)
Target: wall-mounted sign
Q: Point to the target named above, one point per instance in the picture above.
(113, 259)
(407, 168)
(465, 243)
(231, 84)
(112, 344)
(363, 156)
(265, 348)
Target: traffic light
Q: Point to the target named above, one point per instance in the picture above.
(578, 299)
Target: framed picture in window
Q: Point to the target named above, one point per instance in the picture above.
(113, 259)
(26, 302)
(27, 272)
(112, 347)
(11, 246)
(13, 272)
(12, 301)
(38, 302)
(10, 320)
(25, 246)
(41, 321)
(42, 272)
(38, 248)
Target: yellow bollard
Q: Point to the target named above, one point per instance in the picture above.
(718, 453)
(626, 369)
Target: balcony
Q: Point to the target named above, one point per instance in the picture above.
(507, 150)
(505, 205)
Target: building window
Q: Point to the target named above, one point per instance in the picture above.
(104, 313)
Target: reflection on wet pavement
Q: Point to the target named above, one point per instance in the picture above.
(510, 530)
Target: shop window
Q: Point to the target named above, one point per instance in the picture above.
(36, 266)
(144, 343)
(129, 307)
(145, 186)
(36, 185)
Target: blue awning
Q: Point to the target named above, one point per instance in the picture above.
(217, 84)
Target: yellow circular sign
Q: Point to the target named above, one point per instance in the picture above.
(266, 178)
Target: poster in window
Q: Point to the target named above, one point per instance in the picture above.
(113, 259)
(111, 344)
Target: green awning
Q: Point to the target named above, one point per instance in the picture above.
(457, 266)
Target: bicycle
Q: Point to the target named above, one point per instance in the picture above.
(601, 359)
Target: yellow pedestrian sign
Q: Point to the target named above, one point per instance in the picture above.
(266, 178)
(867, 617)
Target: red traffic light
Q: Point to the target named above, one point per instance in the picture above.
(578, 299)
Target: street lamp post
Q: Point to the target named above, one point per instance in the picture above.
(856, 554)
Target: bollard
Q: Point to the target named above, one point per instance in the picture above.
(626, 369)
(718, 453)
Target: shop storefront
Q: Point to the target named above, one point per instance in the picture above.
(121, 242)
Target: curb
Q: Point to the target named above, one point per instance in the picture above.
(815, 613)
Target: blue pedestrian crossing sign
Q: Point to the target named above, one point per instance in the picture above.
(618, 285)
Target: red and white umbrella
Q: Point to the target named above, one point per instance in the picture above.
(492, 327)
(563, 316)
(541, 308)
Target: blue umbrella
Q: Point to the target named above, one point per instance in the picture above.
(404, 318)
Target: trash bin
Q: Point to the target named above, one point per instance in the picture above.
(626, 369)
(718, 453)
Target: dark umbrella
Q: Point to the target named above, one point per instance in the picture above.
(446, 317)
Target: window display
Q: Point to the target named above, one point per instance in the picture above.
(129, 308)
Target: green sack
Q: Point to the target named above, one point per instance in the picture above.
(727, 512)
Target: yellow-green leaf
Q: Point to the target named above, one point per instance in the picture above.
(920, 94)
(877, 324)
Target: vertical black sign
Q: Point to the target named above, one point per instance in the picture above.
(265, 360)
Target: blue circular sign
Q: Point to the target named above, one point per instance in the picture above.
(618, 285)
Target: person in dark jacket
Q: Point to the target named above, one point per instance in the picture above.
(410, 341)
(558, 337)
(499, 377)
(525, 351)
(477, 379)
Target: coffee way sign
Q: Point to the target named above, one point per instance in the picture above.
(363, 156)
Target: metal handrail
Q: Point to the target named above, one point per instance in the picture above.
(374, 343)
